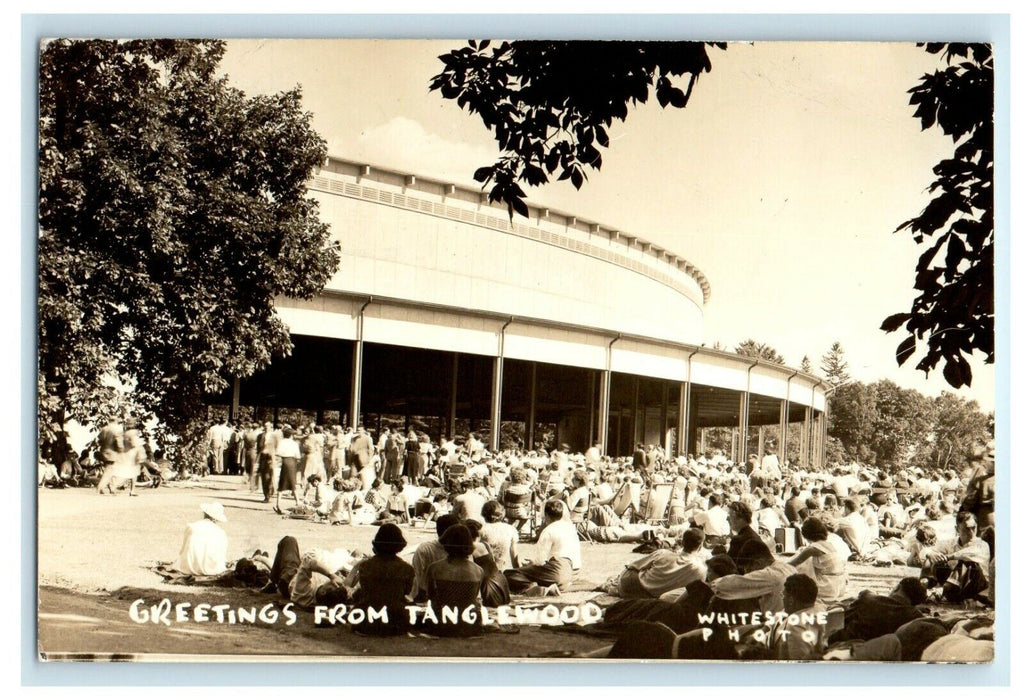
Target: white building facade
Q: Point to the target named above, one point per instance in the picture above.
(438, 293)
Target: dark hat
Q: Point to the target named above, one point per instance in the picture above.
(389, 535)
(457, 541)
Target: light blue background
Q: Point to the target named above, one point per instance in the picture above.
(976, 28)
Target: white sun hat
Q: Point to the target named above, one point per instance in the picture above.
(215, 510)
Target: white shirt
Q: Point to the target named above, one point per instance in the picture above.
(205, 549)
(764, 584)
(842, 549)
(842, 485)
(473, 504)
(479, 471)
(856, 529)
(287, 447)
(714, 521)
(559, 539)
(767, 519)
(474, 447)
(770, 467)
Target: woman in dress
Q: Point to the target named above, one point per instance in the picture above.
(315, 454)
(427, 457)
(288, 451)
(319, 495)
(578, 502)
(516, 497)
(822, 561)
(300, 437)
(413, 458)
(349, 507)
(769, 517)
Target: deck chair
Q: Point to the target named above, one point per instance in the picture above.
(456, 471)
(659, 497)
(626, 501)
(534, 522)
(520, 510)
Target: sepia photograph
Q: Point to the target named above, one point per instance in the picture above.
(506, 349)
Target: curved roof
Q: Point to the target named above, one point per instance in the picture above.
(629, 242)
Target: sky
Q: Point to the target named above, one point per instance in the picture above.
(783, 181)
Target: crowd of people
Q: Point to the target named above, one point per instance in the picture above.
(119, 459)
(761, 537)
(712, 536)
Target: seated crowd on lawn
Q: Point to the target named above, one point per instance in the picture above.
(761, 536)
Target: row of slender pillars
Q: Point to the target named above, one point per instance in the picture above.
(812, 441)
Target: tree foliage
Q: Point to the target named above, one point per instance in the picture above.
(959, 427)
(953, 312)
(834, 365)
(884, 424)
(550, 103)
(904, 423)
(172, 210)
(852, 415)
(806, 366)
(763, 351)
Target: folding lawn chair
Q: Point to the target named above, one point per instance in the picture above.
(520, 510)
(626, 501)
(659, 497)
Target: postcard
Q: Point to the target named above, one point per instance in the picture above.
(499, 349)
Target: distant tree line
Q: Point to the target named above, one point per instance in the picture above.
(884, 424)
(881, 423)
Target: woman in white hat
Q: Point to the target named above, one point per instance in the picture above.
(205, 549)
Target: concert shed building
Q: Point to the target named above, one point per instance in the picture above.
(446, 315)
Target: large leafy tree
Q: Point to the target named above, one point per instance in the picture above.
(953, 313)
(883, 423)
(172, 210)
(904, 423)
(550, 103)
(852, 416)
(959, 427)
